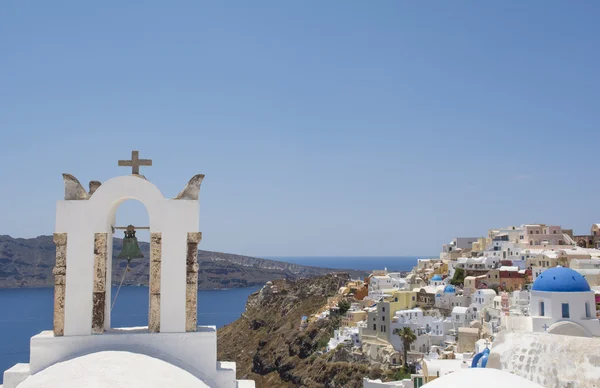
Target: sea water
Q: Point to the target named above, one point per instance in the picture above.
(26, 312)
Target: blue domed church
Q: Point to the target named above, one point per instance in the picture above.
(563, 303)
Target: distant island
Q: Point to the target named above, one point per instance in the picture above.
(29, 263)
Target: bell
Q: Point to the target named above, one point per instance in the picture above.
(131, 249)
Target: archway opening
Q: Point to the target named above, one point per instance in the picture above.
(128, 304)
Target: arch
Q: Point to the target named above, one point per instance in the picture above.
(111, 194)
(569, 328)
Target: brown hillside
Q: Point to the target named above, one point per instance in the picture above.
(270, 348)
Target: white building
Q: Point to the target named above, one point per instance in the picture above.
(590, 269)
(385, 285)
(563, 303)
(430, 330)
(482, 263)
(450, 298)
(462, 316)
(480, 299)
(519, 302)
(344, 335)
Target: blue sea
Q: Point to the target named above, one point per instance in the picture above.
(28, 311)
(368, 263)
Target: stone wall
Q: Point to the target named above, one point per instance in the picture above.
(550, 360)
(191, 300)
(60, 280)
(155, 263)
(99, 294)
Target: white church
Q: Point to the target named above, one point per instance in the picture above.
(83, 350)
(562, 302)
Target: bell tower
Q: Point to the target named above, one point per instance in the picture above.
(85, 224)
(84, 230)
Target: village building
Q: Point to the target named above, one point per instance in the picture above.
(414, 282)
(590, 269)
(429, 330)
(450, 297)
(541, 234)
(473, 283)
(344, 336)
(481, 299)
(591, 240)
(385, 285)
(426, 296)
(462, 316)
(353, 317)
(512, 278)
(467, 337)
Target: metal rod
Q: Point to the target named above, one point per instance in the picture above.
(135, 227)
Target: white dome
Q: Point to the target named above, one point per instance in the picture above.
(481, 377)
(113, 370)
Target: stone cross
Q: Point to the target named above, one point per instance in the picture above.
(135, 162)
(545, 327)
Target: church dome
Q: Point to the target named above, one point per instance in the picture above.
(449, 289)
(560, 279)
(436, 278)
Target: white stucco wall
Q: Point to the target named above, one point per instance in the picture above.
(81, 219)
(548, 359)
(553, 310)
(195, 352)
(406, 383)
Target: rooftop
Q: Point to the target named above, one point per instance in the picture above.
(114, 369)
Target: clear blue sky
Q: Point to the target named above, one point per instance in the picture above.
(323, 128)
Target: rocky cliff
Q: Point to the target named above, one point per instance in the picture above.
(271, 348)
(29, 262)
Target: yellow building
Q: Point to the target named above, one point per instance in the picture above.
(353, 317)
(399, 300)
(440, 268)
(479, 245)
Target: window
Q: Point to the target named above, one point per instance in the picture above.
(541, 309)
(383, 318)
(554, 231)
(413, 298)
(374, 327)
(565, 310)
(587, 310)
(383, 309)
